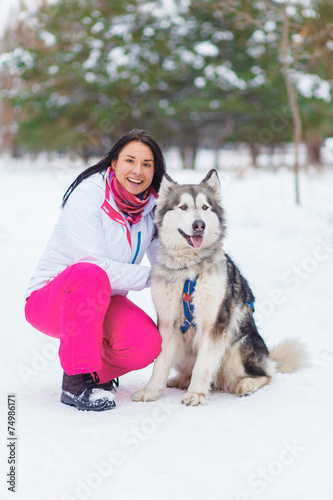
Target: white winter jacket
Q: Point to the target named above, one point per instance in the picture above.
(87, 233)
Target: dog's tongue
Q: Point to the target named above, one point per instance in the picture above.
(197, 241)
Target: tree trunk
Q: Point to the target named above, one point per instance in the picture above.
(224, 135)
(15, 150)
(194, 154)
(292, 97)
(182, 151)
(313, 148)
(216, 156)
(254, 151)
(188, 157)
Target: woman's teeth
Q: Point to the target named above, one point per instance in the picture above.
(133, 180)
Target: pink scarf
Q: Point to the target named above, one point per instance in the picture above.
(129, 204)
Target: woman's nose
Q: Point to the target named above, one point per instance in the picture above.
(137, 167)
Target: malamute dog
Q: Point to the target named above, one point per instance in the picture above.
(204, 305)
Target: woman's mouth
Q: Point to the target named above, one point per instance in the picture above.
(137, 182)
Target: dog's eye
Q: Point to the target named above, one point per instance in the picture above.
(183, 207)
(204, 207)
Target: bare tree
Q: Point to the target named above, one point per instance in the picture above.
(286, 60)
(244, 19)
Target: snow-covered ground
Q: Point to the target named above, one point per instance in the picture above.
(274, 445)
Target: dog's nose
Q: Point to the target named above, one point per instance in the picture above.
(198, 226)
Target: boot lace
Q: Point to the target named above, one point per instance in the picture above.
(111, 385)
(92, 381)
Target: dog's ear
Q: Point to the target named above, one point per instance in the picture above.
(166, 185)
(212, 180)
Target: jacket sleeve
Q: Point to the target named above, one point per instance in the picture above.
(84, 239)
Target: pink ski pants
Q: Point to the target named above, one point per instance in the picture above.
(98, 333)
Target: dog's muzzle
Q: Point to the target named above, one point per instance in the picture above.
(196, 239)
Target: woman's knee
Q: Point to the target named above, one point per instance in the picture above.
(143, 357)
(144, 350)
(132, 336)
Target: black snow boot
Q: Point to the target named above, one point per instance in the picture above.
(84, 392)
(109, 386)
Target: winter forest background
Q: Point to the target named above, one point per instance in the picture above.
(243, 86)
(199, 74)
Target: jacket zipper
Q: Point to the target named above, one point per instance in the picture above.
(137, 248)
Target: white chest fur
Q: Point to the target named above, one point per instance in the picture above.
(167, 292)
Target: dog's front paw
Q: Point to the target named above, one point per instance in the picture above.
(144, 395)
(194, 399)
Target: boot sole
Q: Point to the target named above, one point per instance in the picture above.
(109, 405)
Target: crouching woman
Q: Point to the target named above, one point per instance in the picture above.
(92, 260)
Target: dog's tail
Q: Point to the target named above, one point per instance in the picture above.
(289, 355)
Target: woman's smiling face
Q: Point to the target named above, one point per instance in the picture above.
(134, 168)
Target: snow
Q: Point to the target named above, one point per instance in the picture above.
(273, 445)
(206, 49)
(98, 394)
(313, 86)
(10, 10)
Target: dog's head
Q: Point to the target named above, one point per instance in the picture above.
(190, 217)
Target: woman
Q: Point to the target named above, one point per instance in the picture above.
(78, 292)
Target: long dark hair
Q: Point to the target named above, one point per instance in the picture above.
(105, 163)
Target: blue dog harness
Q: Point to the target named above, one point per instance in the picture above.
(188, 307)
(251, 304)
(188, 289)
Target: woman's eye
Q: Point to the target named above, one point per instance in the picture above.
(183, 207)
(204, 207)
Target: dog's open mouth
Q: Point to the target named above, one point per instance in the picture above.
(194, 241)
